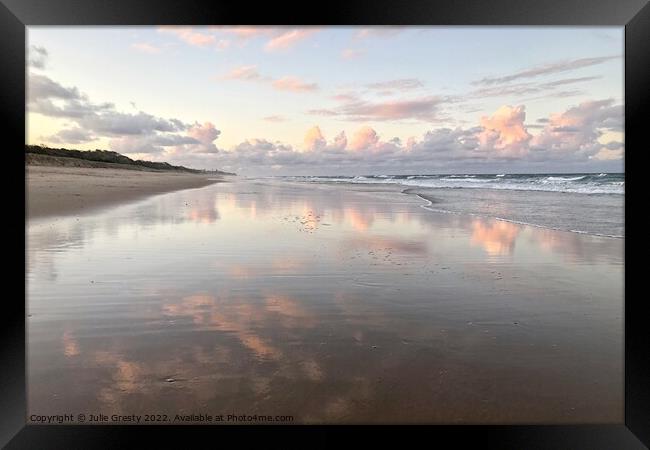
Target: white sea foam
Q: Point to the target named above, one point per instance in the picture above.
(577, 184)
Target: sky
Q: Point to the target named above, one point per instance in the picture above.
(333, 100)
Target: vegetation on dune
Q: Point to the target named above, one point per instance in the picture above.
(107, 156)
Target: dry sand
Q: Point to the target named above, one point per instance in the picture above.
(53, 191)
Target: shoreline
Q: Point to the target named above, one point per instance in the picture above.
(503, 219)
(445, 200)
(61, 191)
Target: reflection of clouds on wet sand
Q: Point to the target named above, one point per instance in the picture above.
(385, 250)
(496, 237)
(227, 316)
(289, 311)
(411, 246)
(576, 247)
(181, 376)
(203, 215)
(264, 266)
(359, 220)
(70, 345)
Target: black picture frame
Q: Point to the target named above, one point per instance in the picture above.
(16, 15)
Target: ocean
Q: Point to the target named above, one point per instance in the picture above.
(591, 203)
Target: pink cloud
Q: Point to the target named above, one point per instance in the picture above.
(345, 97)
(205, 134)
(243, 73)
(422, 109)
(364, 138)
(505, 131)
(314, 139)
(351, 53)
(288, 83)
(289, 38)
(274, 118)
(294, 84)
(146, 48)
(245, 32)
(190, 36)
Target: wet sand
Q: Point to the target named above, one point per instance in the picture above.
(332, 304)
(68, 190)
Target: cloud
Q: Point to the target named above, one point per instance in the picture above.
(205, 134)
(608, 154)
(37, 57)
(505, 132)
(289, 38)
(113, 123)
(340, 141)
(497, 142)
(286, 83)
(294, 84)
(274, 118)
(145, 47)
(148, 144)
(198, 140)
(222, 37)
(190, 36)
(41, 87)
(245, 32)
(49, 98)
(424, 109)
(583, 136)
(364, 138)
(378, 31)
(71, 136)
(345, 97)
(128, 133)
(402, 84)
(526, 88)
(247, 73)
(547, 69)
(314, 139)
(576, 131)
(352, 53)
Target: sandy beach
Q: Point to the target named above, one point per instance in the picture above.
(327, 303)
(70, 190)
